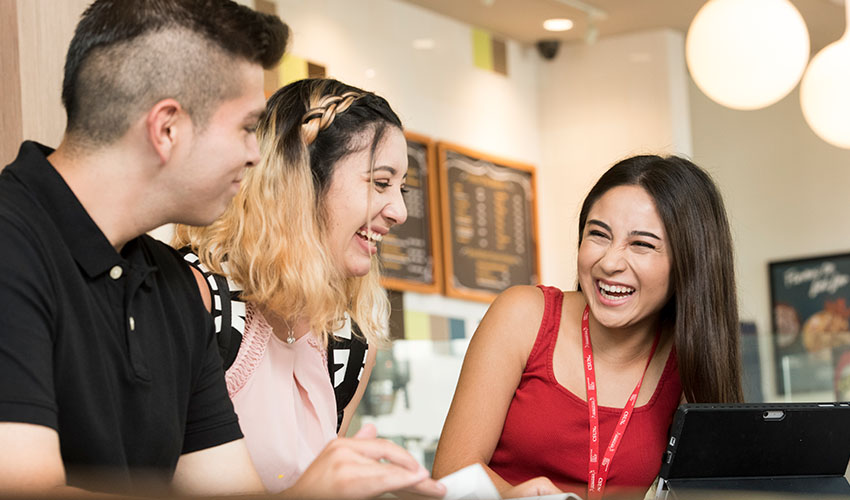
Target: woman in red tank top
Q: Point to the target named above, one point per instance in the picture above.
(566, 391)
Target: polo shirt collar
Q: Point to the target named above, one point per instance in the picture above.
(86, 242)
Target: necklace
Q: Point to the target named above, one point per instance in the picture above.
(597, 473)
(290, 334)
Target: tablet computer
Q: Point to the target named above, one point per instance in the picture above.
(785, 447)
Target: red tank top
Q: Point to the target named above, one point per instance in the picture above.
(546, 431)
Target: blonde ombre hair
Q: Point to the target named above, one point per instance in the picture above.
(271, 238)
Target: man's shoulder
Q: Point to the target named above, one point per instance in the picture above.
(16, 202)
(24, 224)
(19, 203)
(164, 256)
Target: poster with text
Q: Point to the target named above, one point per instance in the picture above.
(810, 307)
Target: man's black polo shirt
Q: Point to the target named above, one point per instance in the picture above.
(114, 351)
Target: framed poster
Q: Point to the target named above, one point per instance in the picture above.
(809, 301)
(489, 223)
(409, 254)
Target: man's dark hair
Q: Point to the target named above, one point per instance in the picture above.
(126, 55)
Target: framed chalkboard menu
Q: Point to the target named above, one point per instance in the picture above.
(489, 223)
(409, 254)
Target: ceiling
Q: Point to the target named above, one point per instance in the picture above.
(522, 19)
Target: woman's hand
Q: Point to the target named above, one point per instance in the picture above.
(363, 467)
(536, 487)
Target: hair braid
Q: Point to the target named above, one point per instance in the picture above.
(322, 114)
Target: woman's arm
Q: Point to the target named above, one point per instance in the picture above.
(203, 287)
(491, 372)
(371, 354)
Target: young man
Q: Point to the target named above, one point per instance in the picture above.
(110, 379)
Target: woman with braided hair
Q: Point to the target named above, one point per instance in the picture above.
(298, 246)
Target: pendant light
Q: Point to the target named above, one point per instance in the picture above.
(747, 54)
(825, 90)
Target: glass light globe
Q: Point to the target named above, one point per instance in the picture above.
(825, 91)
(747, 54)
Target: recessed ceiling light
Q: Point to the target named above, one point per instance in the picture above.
(424, 44)
(558, 24)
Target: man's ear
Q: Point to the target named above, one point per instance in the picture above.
(161, 125)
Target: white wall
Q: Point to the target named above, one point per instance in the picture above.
(786, 192)
(599, 103)
(436, 92)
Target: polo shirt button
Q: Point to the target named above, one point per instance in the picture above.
(116, 272)
(132, 324)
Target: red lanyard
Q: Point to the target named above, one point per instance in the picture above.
(596, 475)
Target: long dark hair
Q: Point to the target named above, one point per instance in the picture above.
(703, 309)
